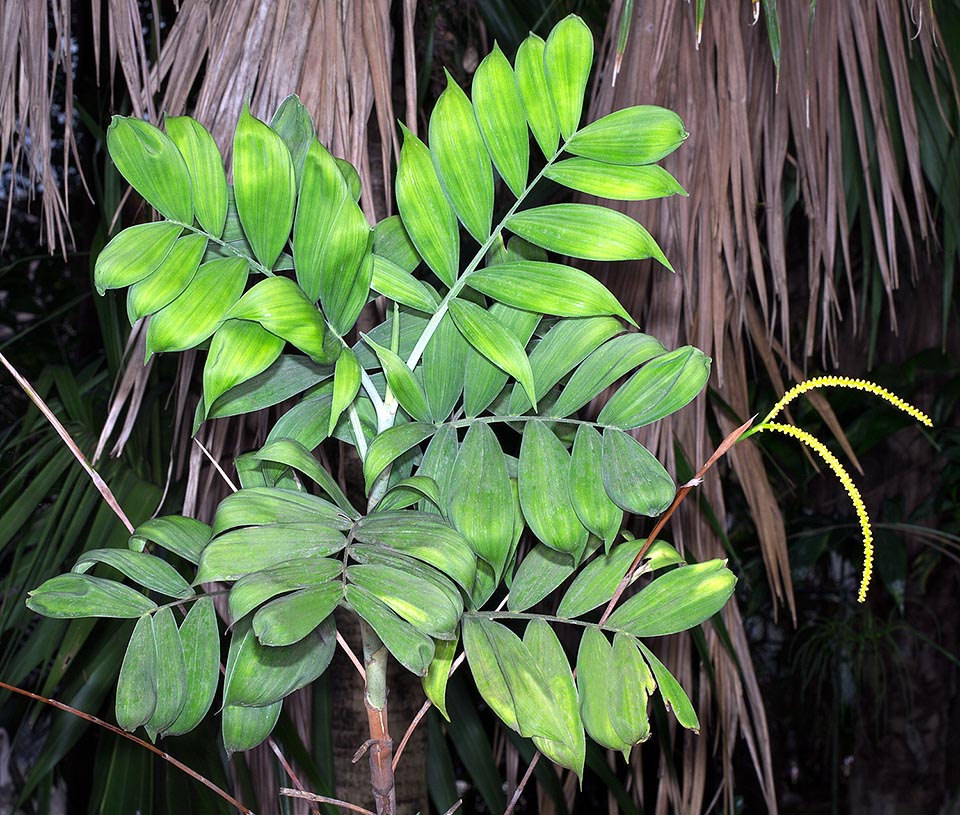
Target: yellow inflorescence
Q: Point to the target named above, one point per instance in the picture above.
(834, 464)
(847, 382)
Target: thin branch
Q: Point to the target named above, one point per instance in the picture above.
(129, 736)
(74, 448)
(725, 445)
(353, 657)
(323, 799)
(289, 771)
(216, 464)
(523, 783)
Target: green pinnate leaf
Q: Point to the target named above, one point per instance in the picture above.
(587, 494)
(243, 728)
(444, 368)
(637, 135)
(168, 280)
(390, 445)
(280, 306)
(150, 161)
(412, 648)
(586, 231)
(199, 310)
(68, 596)
(185, 537)
(567, 58)
(264, 186)
(535, 95)
(149, 571)
(672, 693)
(659, 388)
(676, 601)
(493, 341)
(171, 673)
(402, 382)
(134, 254)
(428, 218)
(461, 160)
(239, 351)
(137, 683)
(293, 124)
(595, 679)
(632, 476)
(544, 482)
(258, 587)
(289, 619)
(501, 119)
(618, 182)
(435, 681)
(200, 638)
(205, 165)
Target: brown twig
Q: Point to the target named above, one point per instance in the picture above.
(682, 493)
(323, 799)
(289, 770)
(74, 448)
(129, 736)
(351, 655)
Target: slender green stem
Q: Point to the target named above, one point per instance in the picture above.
(461, 281)
(230, 248)
(522, 615)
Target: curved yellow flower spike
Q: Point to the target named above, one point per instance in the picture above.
(847, 382)
(834, 464)
(832, 461)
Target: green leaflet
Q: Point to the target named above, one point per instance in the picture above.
(239, 351)
(258, 587)
(390, 445)
(544, 482)
(264, 186)
(149, 571)
(68, 596)
(632, 476)
(393, 282)
(330, 240)
(586, 231)
(293, 124)
(412, 648)
(435, 681)
(494, 342)
(631, 684)
(391, 242)
(289, 375)
(289, 619)
(259, 675)
(171, 673)
(438, 459)
(596, 582)
(293, 454)
(181, 536)
(402, 382)
(542, 570)
(619, 182)
(241, 552)
(134, 254)
(200, 638)
(409, 491)
(168, 281)
(427, 216)
(150, 161)
(535, 95)
(484, 380)
(637, 135)
(444, 368)
(280, 306)
(274, 506)
(562, 347)
(427, 604)
(548, 288)
(137, 683)
(199, 310)
(672, 693)
(596, 682)
(243, 728)
(659, 388)
(542, 642)
(567, 58)
(676, 601)
(205, 165)
(604, 367)
(479, 492)
(423, 536)
(461, 160)
(346, 384)
(510, 680)
(501, 119)
(587, 494)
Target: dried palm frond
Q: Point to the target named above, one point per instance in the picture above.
(840, 100)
